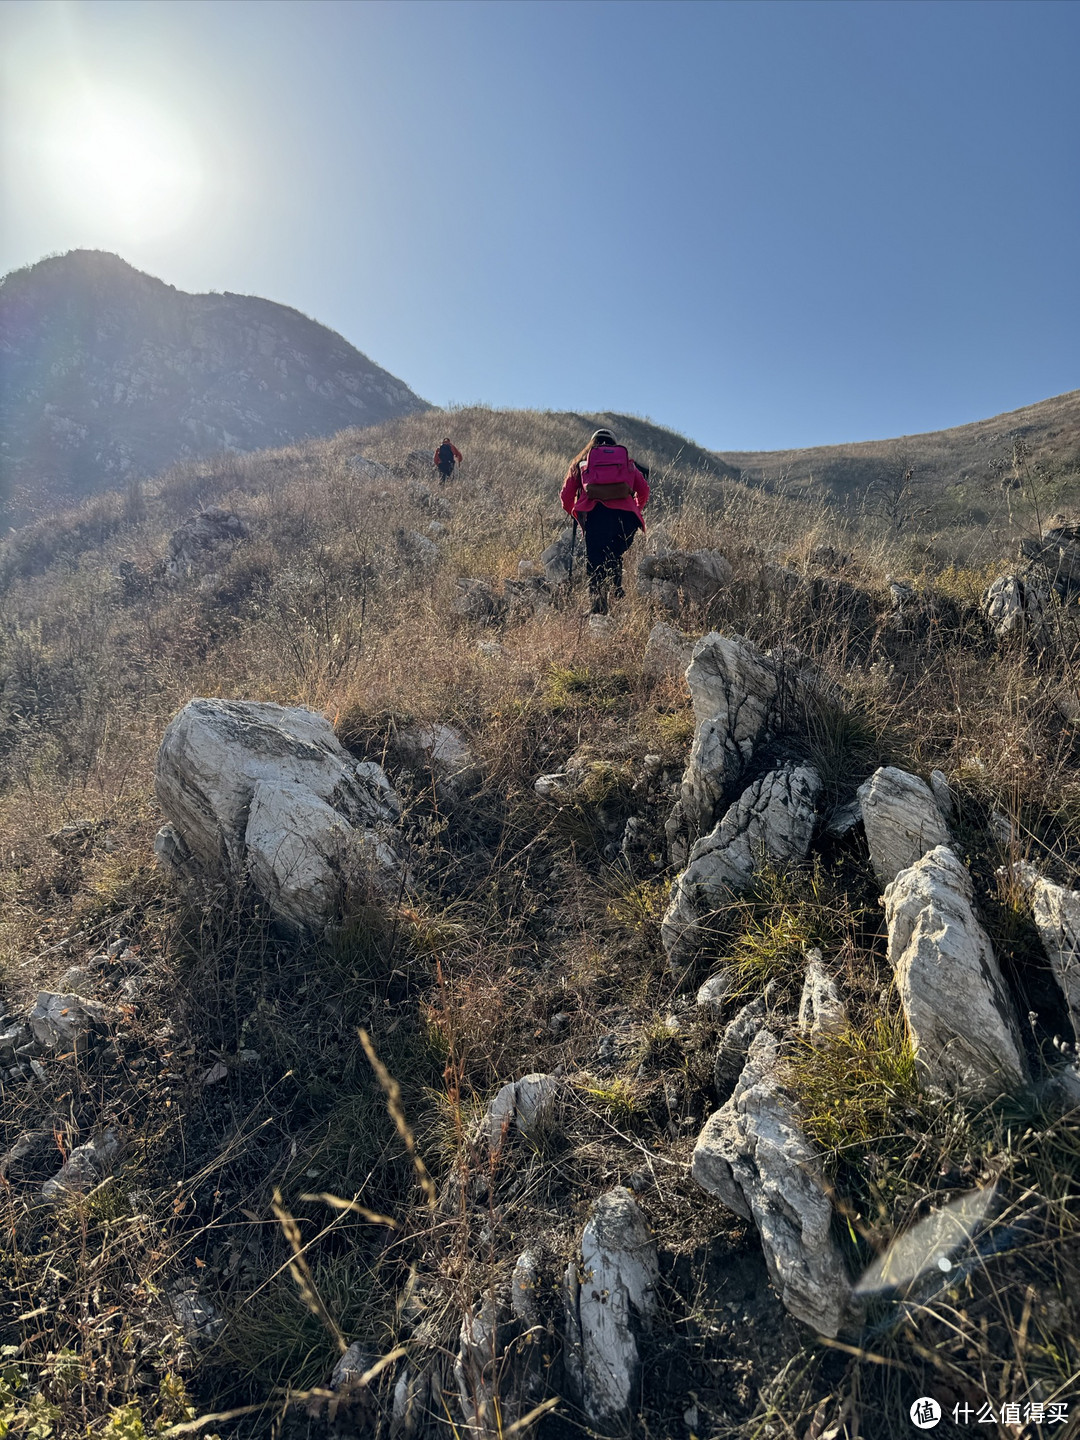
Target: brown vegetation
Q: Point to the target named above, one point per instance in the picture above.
(526, 939)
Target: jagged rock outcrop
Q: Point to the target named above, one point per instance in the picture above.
(1020, 603)
(821, 1010)
(1056, 912)
(741, 698)
(959, 1014)
(267, 792)
(204, 542)
(107, 374)
(902, 820)
(608, 1295)
(734, 1045)
(753, 1155)
(771, 822)
(678, 577)
(668, 652)
(1014, 605)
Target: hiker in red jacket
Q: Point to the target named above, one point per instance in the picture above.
(605, 491)
(446, 457)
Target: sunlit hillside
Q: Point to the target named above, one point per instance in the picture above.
(974, 474)
(288, 1151)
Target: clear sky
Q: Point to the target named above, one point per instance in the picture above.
(763, 224)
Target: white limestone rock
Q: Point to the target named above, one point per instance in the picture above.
(667, 652)
(528, 1105)
(902, 820)
(607, 1294)
(958, 1011)
(753, 1155)
(477, 600)
(363, 468)
(741, 699)
(734, 1045)
(556, 559)
(821, 1010)
(712, 994)
(268, 791)
(443, 752)
(1014, 605)
(771, 822)
(1056, 912)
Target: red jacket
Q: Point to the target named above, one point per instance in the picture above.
(453, 447)
(576, 502)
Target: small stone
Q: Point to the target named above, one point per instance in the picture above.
(195, 1315)
(59, 1022)
(77, 981)
(711, 996)
(216, 1072)
(85, 1167)
(351, 1368)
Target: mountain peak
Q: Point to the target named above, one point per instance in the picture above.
(108, 374)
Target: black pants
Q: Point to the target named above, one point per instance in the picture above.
(445, 473)
(609, 534)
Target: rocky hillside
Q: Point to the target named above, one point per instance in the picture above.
(430, 1009)
(109, 375)
(965, 476)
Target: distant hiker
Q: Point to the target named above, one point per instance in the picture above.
(446, 457)
(605, 491)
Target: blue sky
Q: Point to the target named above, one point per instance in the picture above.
(765, 224)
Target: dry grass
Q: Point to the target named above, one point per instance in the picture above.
(527, 943)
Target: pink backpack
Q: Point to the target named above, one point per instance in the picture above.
(606, 473)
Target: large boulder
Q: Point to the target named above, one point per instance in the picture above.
(1056, 912)
(753, 1156)
(691, 577)
(902, 820)
(1015, 606)
(962, 1022)
(608, 1296)
(268, 793)
(772, 822)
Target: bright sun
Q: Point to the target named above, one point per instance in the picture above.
(115, 161)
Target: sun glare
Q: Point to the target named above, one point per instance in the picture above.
(115, 161)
